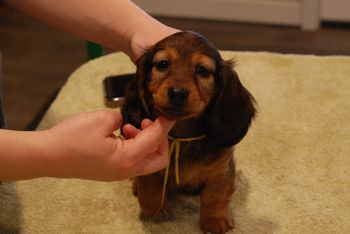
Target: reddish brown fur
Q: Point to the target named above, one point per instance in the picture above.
(217, 106)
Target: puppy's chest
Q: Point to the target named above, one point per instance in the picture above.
(190, 170)
(195, 167)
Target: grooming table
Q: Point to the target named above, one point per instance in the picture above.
(293, 167)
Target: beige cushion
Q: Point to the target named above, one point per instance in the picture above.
(293, 166)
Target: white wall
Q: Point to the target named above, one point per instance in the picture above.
(265, 11)
(304, 13)
(335, 10)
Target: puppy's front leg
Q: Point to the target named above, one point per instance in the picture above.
(215, 198)
(149, 193)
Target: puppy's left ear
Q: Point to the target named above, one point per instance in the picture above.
(232, 111)
(137, 98)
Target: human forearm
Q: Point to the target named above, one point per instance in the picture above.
(24, 155)
(117, 24)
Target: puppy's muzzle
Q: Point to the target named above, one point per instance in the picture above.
(178, 96)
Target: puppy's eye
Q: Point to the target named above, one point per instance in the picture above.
(202, 71)
(163, 65)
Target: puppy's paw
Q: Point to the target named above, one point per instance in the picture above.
(151, 206)
(149, 211)
(216, 224)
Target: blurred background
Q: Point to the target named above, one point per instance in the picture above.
(37, 59)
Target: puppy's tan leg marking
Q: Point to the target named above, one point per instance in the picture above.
(150, 193)
(215, 198)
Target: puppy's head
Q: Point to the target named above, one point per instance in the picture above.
(180, 75)
(183, 77)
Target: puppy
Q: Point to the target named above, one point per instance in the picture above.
(183, 77)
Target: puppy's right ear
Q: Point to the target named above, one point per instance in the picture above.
(232, 112)
(138, 99)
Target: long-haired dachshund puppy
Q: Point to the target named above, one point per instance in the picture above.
(183, 77)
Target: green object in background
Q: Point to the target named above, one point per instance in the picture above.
(94, 50)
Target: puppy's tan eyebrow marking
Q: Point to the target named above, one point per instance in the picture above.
(206, 61)
(169, 54)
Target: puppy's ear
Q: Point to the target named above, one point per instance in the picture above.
(137, 99)
(232, 110)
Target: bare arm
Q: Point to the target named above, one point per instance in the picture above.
(118, 24)
(71, 149)
(21, 154)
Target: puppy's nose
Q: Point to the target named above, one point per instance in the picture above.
(178, 96)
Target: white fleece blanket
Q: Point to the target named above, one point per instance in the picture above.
(293, 166)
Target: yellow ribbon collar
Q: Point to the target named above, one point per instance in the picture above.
(175, 147)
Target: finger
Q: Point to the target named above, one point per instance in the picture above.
(109, 120)
(129, 131)
(146, 123)
(163, 148)
(150, 138)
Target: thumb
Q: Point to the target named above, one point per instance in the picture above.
(155, 161)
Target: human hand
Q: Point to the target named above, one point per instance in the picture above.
(147, 37)
(83, 146)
